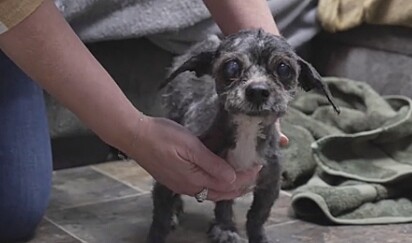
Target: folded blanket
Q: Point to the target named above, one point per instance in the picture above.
(339, 15)
(174, 25)
(352, 168)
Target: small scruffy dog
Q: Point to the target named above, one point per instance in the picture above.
(229, 93)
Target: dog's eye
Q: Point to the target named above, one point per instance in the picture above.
(283, 70)
(231, 69)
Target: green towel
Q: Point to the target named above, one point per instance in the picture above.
(352, 168)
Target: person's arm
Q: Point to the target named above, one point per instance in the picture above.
(45, 47)
(234, 15)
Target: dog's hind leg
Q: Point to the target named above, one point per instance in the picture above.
(264, 196)
(167, 206)
(223, 229)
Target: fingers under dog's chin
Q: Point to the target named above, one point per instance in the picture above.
(284, 141)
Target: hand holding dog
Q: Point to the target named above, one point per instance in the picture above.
(176, 158)
(284, 140)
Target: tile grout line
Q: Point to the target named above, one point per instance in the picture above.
(286, 193)
(117, 179)
(102, 201)
(281, 224)
(64, 230)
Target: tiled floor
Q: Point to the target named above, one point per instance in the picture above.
(111, 203)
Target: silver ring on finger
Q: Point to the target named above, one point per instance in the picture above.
(202, 195)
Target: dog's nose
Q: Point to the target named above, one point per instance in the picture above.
(257, 93)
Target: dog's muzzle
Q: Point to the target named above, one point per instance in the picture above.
(257, 93)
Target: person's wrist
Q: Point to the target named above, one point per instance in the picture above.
(133, 143)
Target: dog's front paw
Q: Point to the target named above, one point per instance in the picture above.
(223, 234)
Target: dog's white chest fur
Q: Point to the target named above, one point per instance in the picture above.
(244, 155)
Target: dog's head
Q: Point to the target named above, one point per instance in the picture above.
(256, 73)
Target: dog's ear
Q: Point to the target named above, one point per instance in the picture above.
(309, 79)
(201, 64)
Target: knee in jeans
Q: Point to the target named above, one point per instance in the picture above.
(19, 224)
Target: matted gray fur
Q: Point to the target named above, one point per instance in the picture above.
(229, 92)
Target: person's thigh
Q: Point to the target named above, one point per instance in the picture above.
(25, 154)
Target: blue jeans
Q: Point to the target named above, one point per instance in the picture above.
(25, 154)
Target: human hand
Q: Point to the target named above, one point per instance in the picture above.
(179, 160)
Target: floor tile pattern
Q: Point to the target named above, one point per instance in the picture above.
(111, 203)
